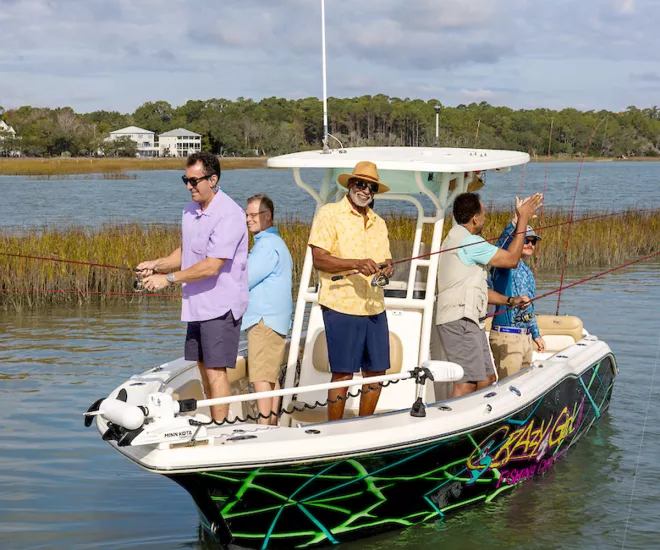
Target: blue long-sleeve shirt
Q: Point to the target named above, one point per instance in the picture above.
(269, 280)
(514, 282)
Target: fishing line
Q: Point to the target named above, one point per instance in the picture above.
(562, 288)
(641, 442)
(545, 187)
(577, 183)
(492, 239)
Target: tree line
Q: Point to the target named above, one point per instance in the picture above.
(273, 126)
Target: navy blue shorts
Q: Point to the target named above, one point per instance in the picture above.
(215, 342)
(357, 342)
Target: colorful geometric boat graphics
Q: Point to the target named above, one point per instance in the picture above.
(324, 503)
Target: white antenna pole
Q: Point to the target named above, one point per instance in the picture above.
(325, 90)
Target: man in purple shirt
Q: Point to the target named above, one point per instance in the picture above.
(212, 264)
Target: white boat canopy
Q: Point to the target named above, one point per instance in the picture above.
(397, 165)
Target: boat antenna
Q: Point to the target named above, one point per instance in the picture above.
(325, 88)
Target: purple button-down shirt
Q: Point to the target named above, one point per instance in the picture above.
(217, 232)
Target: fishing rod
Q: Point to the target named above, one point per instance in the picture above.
(562, 288)
(382, 280)
(49, 259)
(87, 292)
(577, 183)
(137, 283)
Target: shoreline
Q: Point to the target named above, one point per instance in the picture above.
(114, 168)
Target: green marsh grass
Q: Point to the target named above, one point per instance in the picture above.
(599, 243)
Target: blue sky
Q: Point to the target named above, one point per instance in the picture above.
(117, 54)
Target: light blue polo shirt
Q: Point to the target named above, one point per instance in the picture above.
(479, 251)
(269, 279)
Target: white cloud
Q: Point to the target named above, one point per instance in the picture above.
(116, 54)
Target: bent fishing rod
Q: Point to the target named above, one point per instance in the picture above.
(382, 279)
(561, 288)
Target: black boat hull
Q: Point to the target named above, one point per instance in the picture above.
(326, 502)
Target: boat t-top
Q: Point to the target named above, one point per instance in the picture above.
(306, 481)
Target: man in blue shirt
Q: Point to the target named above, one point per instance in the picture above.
(513, 331)
(268, 315)
(463, 293)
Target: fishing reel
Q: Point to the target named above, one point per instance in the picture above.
(523, 317)
(138, 286)
(380, 279)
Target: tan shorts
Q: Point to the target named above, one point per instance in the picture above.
(511, 352)
(265, 353)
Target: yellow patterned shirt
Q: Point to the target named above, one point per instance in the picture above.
(340, 229)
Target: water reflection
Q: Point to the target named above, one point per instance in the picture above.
(61, 487)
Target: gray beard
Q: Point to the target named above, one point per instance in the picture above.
(357, 200)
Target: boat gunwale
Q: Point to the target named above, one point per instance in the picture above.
(374, 450)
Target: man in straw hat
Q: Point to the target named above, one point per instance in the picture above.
(513, 331)
(347, 236)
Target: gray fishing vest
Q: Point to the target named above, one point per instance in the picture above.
(462, 289)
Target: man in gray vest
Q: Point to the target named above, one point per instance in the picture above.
(463, 293)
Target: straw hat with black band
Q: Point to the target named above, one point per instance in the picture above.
(366, 171)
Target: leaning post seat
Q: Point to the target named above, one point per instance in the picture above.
(321, 362)
(315, 367)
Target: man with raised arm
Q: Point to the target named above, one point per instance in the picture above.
(463, 293)
(211, 266)
(347, 236)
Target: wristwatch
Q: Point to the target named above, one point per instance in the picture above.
(170, 277)
(509, 300)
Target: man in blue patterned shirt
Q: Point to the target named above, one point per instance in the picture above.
(513, 330)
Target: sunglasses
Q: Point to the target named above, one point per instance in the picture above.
(194, 181)
(364, 185)
(531, 241)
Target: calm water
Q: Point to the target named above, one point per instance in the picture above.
(62, 487)
(159, 196)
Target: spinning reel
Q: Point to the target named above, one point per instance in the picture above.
(380, 279)
(523, 317)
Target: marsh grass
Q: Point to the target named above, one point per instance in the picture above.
(71, 166)
(600, 243)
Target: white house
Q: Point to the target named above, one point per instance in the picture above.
(179, 143)
(5, 130)
(143, 138)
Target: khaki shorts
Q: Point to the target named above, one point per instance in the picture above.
(512, 352)
(265, 353)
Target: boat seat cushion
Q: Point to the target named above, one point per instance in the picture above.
(322, 363)
(560, 325)
(555, 325)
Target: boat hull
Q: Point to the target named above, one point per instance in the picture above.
(325, 502)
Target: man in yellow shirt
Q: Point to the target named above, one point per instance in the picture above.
(349, 236)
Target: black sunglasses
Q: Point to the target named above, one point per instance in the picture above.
(530, 240)
(364, 185)
(194, 181)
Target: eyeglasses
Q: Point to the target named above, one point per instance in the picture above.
(530, 240)
(364, 185)
(253, 215)
(194, 181)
